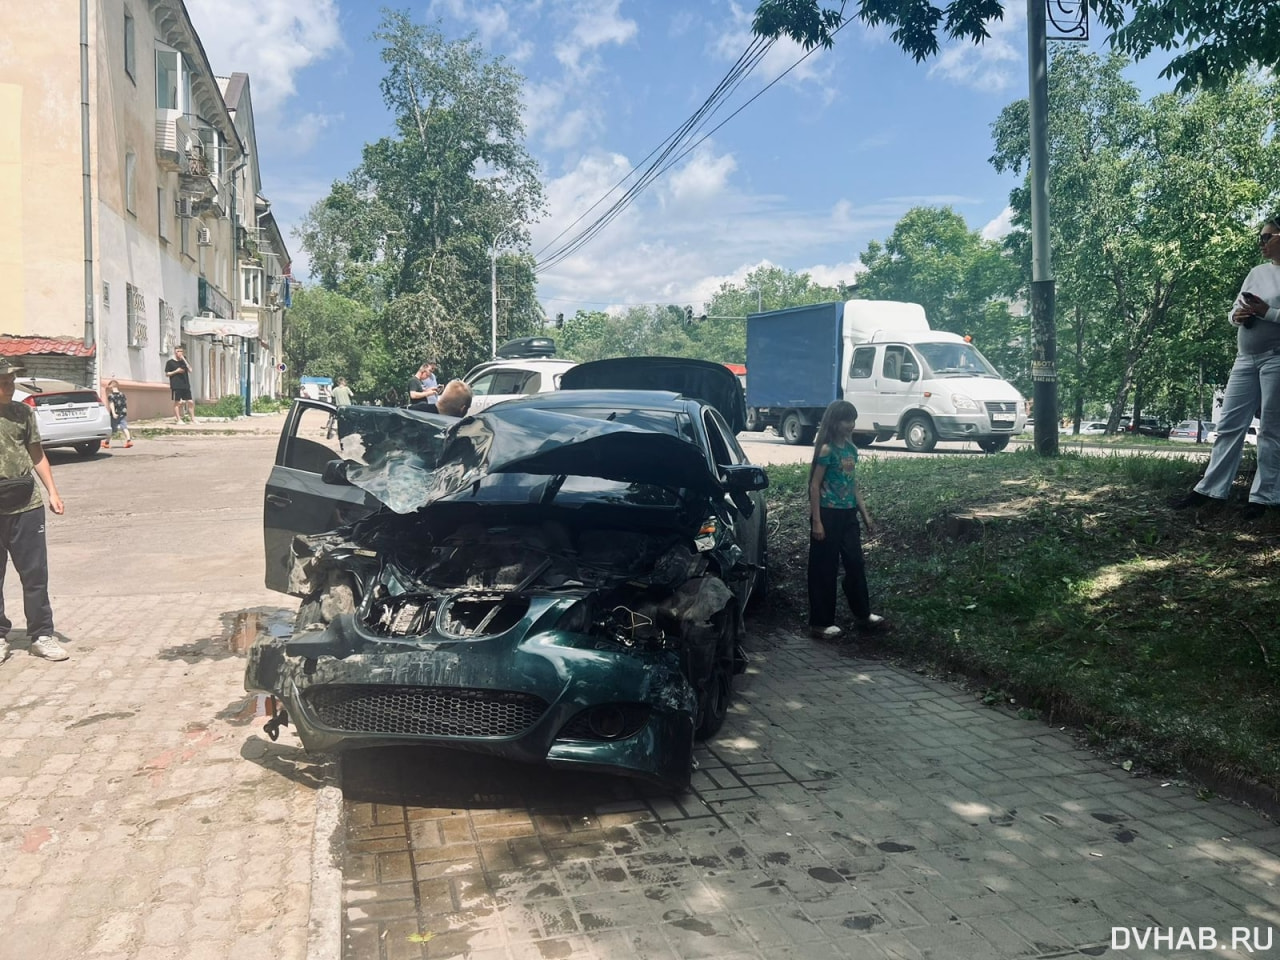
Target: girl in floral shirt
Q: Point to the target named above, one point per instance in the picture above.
(835, 504)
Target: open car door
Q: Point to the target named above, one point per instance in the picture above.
(297, 498)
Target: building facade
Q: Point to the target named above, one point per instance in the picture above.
(126, 213)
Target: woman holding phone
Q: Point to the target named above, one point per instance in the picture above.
(1254, 385)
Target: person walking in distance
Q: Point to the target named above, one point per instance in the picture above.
(341, 397)
(179, 373)
(22, 519)
(835, 504)
(1252, 386)
(118, 408)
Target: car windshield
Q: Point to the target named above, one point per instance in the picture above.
(956, 360)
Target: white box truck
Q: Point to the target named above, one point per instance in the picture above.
(905, 379)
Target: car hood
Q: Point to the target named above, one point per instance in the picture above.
(712, 383)
(408, 460)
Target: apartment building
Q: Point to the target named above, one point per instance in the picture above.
(131, 207)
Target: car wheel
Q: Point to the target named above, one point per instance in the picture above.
(792, 429)
(713, 703)
(88, 448)
(993, 444)
(753, 421)
(919, 434)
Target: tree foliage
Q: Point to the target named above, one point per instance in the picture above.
(1214, 39)
(329, 335)
(1152, 207)
(411, 232)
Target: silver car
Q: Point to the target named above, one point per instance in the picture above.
(68, 416)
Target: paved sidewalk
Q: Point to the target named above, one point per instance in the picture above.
(849, 809)
(268, 424)
(143, 815)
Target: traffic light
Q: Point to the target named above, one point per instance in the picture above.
(559, 321)
(688, 316)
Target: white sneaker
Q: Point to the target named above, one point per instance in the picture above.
(825, 633)
(4, 650)
(49, 649)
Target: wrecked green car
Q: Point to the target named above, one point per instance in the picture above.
(560, 579)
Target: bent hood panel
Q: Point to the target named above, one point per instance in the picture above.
(712, 383)
(408, 460)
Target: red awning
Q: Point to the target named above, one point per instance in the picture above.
(33, 346)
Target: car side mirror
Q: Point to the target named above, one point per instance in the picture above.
(908, 374)
(744, 477)
(335, 473)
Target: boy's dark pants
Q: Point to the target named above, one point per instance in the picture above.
(843, 542)
(22, 540)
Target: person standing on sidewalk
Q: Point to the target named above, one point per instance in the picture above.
(342, 397)
(118, 408)
(179, 373)
(22, 518)
(835, 505)
(424, 388)
(1253, 386)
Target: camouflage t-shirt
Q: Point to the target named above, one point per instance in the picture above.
(18, 428)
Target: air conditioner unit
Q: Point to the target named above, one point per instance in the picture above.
(204, 236)
(183, 207)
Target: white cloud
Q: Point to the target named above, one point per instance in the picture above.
(1000, 227)
(301, 134)
(595, 24)
(990, 66)
(703, 178)
(784, 54)
(271, 40)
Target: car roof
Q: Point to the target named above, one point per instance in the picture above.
(537, 364)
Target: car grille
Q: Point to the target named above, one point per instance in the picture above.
(1002, 409)
(424, 711)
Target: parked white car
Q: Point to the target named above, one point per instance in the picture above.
(497, 380)
(68, 415)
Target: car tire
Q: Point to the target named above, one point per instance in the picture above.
(717, 694)
(792, 430)
(993, 444)
(753, 421)
(919, 434)
(88, 448)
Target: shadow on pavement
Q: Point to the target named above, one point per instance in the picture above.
(434, 777)
(290, 762)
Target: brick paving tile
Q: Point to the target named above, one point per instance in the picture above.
(848, 809)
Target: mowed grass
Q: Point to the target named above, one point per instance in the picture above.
(1067, 588)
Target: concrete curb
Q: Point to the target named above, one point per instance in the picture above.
(324, 935)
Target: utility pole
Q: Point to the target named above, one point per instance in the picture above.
(493, 299)
(1044, 343)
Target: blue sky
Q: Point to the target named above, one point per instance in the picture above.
(828, 158)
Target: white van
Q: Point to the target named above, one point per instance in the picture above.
(923, 385)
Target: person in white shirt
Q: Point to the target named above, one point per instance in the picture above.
(1253, 386)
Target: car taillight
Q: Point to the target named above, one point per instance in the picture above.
(29, 401)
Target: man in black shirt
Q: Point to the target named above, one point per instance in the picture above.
(179, 373)
(424, 388)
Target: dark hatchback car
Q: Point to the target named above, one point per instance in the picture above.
(560, 579)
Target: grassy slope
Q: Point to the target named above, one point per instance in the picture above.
(1077, 592)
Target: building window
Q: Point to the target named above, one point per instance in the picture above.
(130, 51)
(162, 213)
(167, 79)
(130, 184)
(252, 293)
(184, 235)
(106, 295)
(168, 330)
(136, 317)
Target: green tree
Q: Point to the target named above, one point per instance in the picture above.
(1214, 38)
(412, 231)
(1152, 213)
(328, 335)
(723, 336)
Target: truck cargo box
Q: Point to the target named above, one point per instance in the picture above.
(793, 356)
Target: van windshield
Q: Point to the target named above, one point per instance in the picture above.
(956, 360)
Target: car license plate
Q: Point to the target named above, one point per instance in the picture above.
(71, 414)
(1001, 423)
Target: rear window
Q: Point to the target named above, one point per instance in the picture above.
(60, 399)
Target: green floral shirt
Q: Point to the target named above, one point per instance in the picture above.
(839, 488)
(18, 428)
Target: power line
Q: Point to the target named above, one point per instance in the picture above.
(745, 64)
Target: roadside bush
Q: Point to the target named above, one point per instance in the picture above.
(228, 407)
